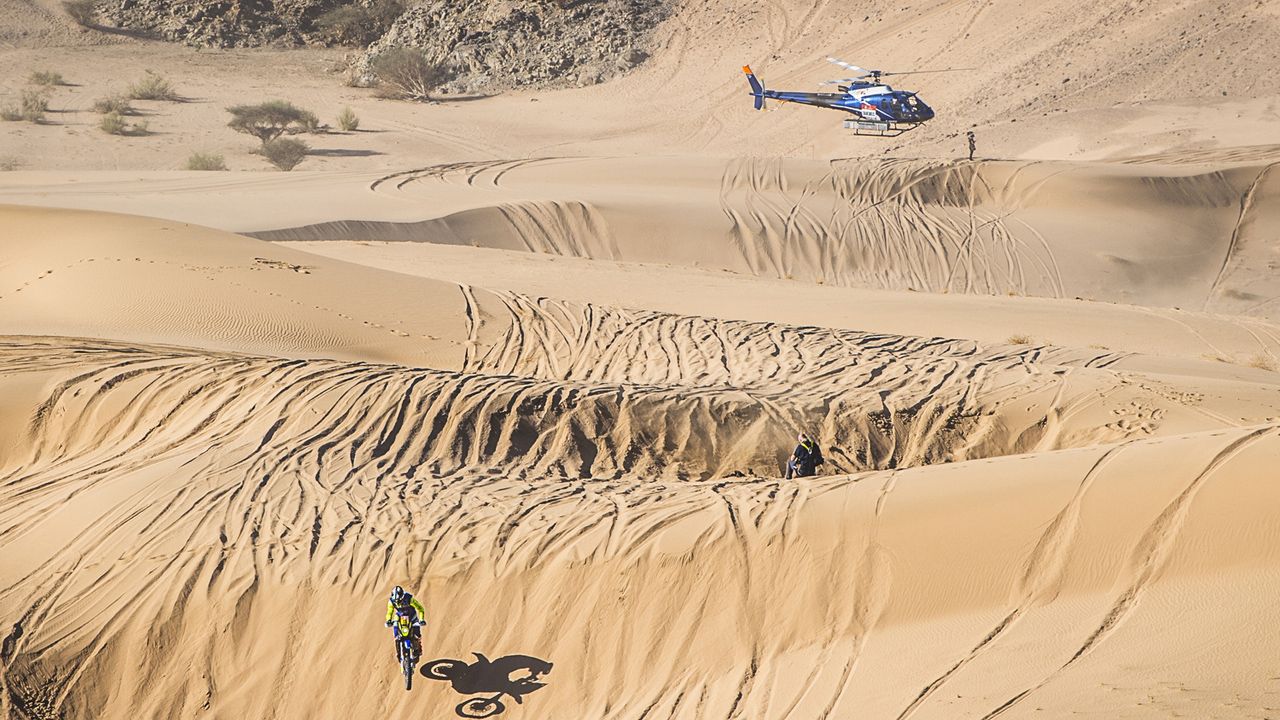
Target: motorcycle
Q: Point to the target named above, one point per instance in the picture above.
(403, 630)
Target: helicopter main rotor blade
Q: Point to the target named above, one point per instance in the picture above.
(922, 72)
(849, 66)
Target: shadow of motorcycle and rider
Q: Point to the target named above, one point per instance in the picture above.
(511, 675)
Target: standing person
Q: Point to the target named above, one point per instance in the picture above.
(402, 603)
(973, 144)
(805, 459)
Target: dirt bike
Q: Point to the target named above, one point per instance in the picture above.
(403, 630)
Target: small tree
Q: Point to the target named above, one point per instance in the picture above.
(269, 120)
(84, 12)
(206, 161)
(348, 120)
(407, 74)
(284, 153)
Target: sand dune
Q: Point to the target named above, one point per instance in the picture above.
(540, 358)
(243, 510)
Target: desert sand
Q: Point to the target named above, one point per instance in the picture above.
(540, 358)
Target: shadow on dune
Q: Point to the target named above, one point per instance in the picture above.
(512, 675)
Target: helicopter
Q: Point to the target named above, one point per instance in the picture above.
(877, 109)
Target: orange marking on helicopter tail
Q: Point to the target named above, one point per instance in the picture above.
(747, 69)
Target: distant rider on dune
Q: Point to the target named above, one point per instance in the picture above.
(402, 603)
(805, 460)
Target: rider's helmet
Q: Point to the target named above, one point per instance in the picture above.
(397, 595)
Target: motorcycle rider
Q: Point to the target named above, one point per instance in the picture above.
(403, 604)
(805, 459)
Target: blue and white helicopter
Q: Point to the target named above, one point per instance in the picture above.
(877, 109)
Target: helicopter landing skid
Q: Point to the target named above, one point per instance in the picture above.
(878, 129)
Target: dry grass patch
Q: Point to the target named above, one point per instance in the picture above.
(46, 78)
(348, 120)
(1262, 362)
(9, 163)
(117, 104)
(31, 106)
(113, 123)
(1019, 339)
(154, 86)
(205, 161)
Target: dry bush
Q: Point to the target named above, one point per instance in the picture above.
(9, 163)
(114, 124)
(46, 78)
(406, 74)
(117, 104)
(31, 107)
(206, 161)
(348, 120)
(269, 120)
(84, 12)
(309, 123)
(284, 153)
(1019, 339)
(359, 25)
(153, 86)
(1262, 362)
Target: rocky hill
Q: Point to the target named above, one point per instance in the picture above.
(503, 44)
(222, 23)
(491, 45)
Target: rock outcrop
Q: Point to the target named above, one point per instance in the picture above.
(503, 44)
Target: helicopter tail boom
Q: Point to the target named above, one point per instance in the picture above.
(757, 89)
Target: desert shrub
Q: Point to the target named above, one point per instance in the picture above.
(10, 113)
(1019, 339)
(284, 153)
(355, 24)
(269, 120)
(206, 161)
(406, 74)
(1262, 362)
(84, 12)
(310, 123)
(33, 106)
(46, 78)
(348, 120)
(9, 163)
(153, 86)
(114, 124)
(117, 104)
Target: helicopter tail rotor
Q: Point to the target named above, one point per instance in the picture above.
(757, 88)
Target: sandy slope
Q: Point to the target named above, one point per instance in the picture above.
(539, 357)
(236, 531)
